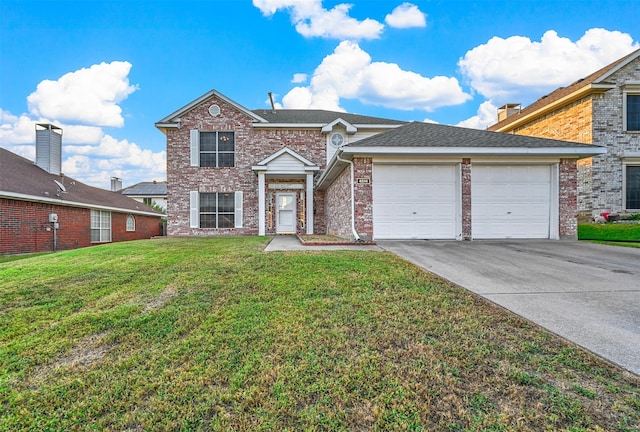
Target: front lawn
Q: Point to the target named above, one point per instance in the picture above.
(621, 234)
(214, 334)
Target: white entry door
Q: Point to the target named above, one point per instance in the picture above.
(286, 213)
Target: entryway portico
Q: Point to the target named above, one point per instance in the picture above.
(288, 166)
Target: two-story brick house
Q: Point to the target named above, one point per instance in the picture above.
(231, 170)
(602, 109)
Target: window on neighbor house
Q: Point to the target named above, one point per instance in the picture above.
(632, 187)
(100, 226)
(131, 223)
(217, 210)
(147, 201)
(217, 149)
(632, 112)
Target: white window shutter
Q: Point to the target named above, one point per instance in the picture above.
(238, 213)
(194, 145)
(194, 206)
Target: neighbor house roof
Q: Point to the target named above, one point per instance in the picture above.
(146, 189)
(595, 82)
(429, 139)
(21, 179)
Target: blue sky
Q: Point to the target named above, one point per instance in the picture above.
(106, 71)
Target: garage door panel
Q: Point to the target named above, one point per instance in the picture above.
(510, 201)
(414, 201)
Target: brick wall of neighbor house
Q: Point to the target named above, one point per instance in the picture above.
(146, 227)
(568, 199)
(251, 146)
(608, 131)
(25, 227)
(338, 206)
(570, 123)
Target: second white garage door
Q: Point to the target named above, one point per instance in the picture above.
(415, 201)
(510, 201)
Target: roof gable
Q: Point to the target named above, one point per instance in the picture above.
(173, 119)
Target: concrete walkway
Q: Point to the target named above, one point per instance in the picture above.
(292, 243)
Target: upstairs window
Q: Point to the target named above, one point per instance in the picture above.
(212, 149)
(633, 112)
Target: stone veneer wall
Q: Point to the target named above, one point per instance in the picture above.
(338, 205)
(608, 131)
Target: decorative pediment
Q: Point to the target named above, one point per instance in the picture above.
(285, 162)
(351, 129)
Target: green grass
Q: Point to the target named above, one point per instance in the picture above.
(609, 232)
(214, 334)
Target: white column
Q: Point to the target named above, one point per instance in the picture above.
(309, 203)
(261, 204)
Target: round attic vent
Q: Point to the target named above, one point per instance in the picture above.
(214, 110)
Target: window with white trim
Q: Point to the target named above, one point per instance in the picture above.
(100, 226)
(215, 209)
(131, 223)
(633, 112)
(212, 149)
(632, 187)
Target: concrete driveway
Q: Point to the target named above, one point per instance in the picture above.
(586, 293)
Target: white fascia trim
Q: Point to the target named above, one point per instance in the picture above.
(617, 68)
(351, 129)
(168, 119)
(503, 151)
(60, 202)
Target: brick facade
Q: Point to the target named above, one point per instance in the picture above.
(25, 227)
(466, 199)
(252, 145)
(568, 199)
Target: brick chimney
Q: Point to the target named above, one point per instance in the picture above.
(49, 147)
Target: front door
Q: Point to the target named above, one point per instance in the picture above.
(286, 213)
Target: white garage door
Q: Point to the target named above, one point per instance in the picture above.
(415, 201)
(510, 201)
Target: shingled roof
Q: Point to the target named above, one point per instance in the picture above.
(418, 134)
(563, 92)
(146, 188)
(314, 116)
(21, 179)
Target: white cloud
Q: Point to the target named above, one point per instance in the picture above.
(486, 116)
(312, 20)
(517, 67)
(81, 102)
(349, 73)
(299, 78)
(405, 16)
(86, 96)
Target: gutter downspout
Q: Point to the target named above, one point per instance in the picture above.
(353, 202)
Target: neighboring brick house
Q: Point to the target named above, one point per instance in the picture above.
(602, 109)
(152, 193)
(231, 170)
(43, 210)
